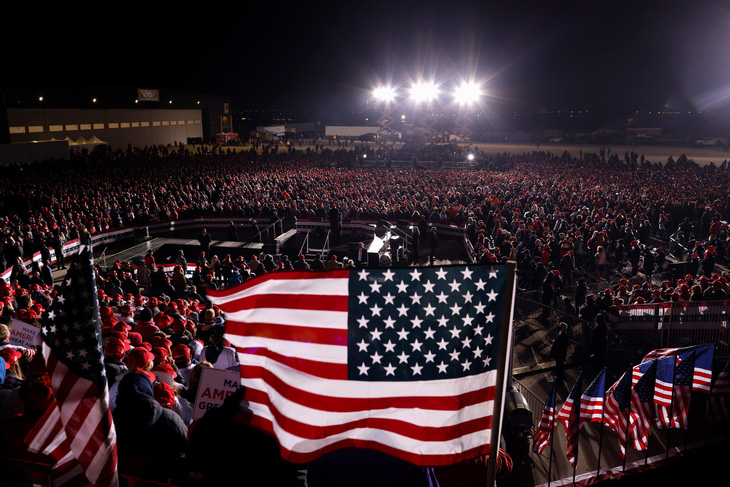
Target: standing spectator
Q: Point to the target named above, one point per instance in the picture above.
(433, 243)
(232, 232)
(559, 351)
(57, 242)
(205, 239)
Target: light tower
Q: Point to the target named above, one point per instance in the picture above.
(466, 96)
(424, 95)
(385, 104)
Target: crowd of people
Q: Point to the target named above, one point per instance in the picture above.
(565, 221)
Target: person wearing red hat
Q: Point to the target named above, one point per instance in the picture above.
(114, 365)
(182, 356)
(146, 327)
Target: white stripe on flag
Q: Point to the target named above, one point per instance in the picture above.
(371, 389)
(301, 445)
(334, 354)
(321, 286)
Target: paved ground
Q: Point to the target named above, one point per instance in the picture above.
(652, 153)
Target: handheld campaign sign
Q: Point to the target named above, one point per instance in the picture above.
(25, 334)
(215, 386)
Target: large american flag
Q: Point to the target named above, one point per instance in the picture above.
(617, 408)
(569, 415)
(400, 360)
(82, 426)
(642, 408)
(544, 433)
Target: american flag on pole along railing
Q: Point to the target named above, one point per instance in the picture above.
(642, 408)
(674, 386)
(570, 416)
(82, 426)
(546, 427)
(591, 402)
(405, 361)
(664, 390)
(616, 409)
(704, 356)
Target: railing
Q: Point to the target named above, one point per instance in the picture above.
(304, 249)
(271, 228)
(102, 256)
(663, 325)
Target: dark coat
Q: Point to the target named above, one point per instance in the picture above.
(150, 438)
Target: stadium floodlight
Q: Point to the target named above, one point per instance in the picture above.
(384, 93)
(467, 93)
(470, 157)
(424, 92)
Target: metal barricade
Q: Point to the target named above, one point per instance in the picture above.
(666, 325)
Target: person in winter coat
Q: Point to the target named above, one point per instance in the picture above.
(150, 438)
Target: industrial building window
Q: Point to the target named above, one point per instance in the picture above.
(55, 128)
(124, 125)
(145, 124)
(113, 125)
(17, 130)
(35, 129)
(85, 126)
(98, 126)
(72, 127)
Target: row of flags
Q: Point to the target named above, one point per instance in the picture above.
(656, 392)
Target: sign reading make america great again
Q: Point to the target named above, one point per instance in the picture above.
(215, 386)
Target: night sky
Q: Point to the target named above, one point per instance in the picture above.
(537, 54)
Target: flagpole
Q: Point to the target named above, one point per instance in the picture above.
(577, 442)
(505, 347)
(628, 426)
(600, 437)
(552, 434)
(671, 409)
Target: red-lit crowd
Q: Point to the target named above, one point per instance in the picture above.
(566, 222)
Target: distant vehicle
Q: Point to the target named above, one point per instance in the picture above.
(712, 141)
(556, 139)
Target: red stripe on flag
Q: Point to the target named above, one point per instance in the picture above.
(324, 370)
(425, 460)
(287, 301)
(403, 428)
(352, 404)
(310, 334)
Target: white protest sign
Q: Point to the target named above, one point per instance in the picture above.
(215, 385)
(25, 334)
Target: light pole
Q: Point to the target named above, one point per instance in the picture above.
(385, 104)
(424, 95)
(466, 96)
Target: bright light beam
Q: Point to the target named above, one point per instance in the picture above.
(423, 92)
(384, 93)
(467, 94)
